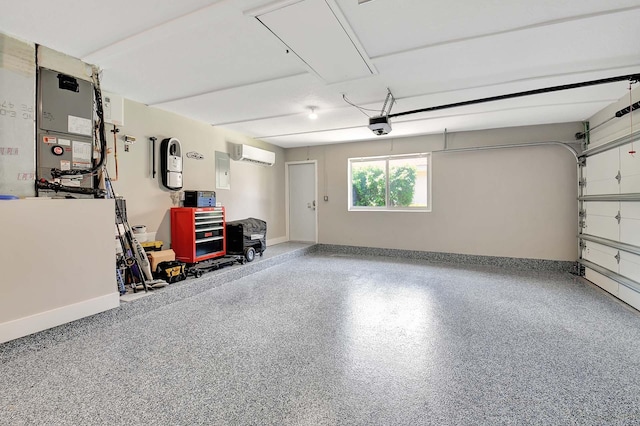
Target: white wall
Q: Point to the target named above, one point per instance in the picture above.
(256, 191)
(57, 262)
(516, 202)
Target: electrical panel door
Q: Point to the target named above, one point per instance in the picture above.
(65, 104)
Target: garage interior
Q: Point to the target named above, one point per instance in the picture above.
(504, 288)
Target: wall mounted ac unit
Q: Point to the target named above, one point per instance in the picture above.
(254, 155)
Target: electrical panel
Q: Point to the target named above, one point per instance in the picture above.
(65, 129)
(113, 106)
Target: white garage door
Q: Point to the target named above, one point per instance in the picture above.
(610, 206)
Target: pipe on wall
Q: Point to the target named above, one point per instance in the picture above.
(517, 145)
(527, 145)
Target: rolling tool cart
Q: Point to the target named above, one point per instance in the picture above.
(197, 233)
(247, 237)
(198, 239)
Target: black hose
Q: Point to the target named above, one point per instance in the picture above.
(56, 173)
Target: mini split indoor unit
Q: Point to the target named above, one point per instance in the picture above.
(251, 154)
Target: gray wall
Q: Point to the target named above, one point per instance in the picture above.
(515, 202)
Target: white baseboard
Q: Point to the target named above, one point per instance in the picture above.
(274, 241)
(24, 326)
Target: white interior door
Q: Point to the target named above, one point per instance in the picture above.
(302, 201)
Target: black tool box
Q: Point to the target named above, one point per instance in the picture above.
(199, 198)
(246, 237)
(171, 271)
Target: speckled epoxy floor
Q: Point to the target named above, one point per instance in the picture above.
(336, 339)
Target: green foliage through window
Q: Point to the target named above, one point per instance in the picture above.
(369, 185)
(402, 184)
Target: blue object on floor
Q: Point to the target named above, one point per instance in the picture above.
(8, 197)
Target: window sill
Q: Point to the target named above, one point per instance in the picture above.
(428, 210)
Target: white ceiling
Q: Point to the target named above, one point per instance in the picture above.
(216, 62)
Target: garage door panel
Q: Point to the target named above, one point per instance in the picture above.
(602, 226)
(599, 208)
(630, 296)
(601, 255)
(601, 173)
(599, 187)
(599, 166)
(630, 184)
(630, 210)
(630, 266)
(601, 281)
(630, 223)
(629, 170)
(601, 221)
(630, 231)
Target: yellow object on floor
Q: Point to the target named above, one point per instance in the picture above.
(152, 245)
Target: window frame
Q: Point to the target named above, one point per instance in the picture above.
(387, 207)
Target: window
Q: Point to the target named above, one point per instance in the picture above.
(393, 183)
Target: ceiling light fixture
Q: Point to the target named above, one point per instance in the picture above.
(312, 114)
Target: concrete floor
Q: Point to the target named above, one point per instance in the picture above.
(330, 339)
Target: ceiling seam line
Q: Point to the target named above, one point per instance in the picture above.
(146, 30)
(291, 50)
(507, 31)
(350, 40)
(270, 117)
(240, 86)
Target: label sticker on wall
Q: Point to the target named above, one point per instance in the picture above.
(65, 142)
(49, 139)
(65, 165)
(79, 125)
(57, 150)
